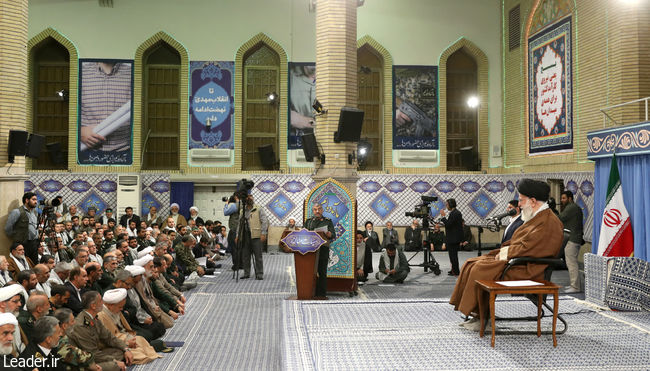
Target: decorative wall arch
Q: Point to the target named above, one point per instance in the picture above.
(483, 124)
(32, 45)
(388, 96)
(284, 96)
(138, 75)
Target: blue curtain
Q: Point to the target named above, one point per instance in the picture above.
(182, 193)
(635, 179)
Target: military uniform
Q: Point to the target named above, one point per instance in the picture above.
(107, 246)
(143, 243)
(323, 253)
(185, 258)
(50, 362)
(26, 321)
(72, 357)
(89, 334)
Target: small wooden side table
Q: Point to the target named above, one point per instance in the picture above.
(493, 289)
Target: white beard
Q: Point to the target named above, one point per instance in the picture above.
(526, 213)
(6, 349)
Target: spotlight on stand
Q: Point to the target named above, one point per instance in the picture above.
(62, 94)
(272, 98)
(318, 108)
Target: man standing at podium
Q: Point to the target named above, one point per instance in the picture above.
(319, 223)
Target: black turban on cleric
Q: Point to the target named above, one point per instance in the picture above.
(534, 189)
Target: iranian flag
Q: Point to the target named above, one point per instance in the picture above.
(616, 238)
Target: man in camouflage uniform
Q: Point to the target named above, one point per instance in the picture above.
(71, 357)
(318, 221)
(142, 241)
(185, 258)
(89, 334)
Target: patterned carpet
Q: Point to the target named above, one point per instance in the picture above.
(231, 325)
(423, 334)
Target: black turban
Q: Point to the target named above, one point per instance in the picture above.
(534, 189)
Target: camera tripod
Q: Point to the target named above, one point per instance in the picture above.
(429, 262)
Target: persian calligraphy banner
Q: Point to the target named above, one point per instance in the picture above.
(415, 107)
(105, 104)
(211, 104)
(550, 89)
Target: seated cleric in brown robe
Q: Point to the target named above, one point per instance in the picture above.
(540, 236)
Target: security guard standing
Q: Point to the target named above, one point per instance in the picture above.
(318, 221)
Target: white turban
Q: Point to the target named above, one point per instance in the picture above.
(8, 319)
(134, 270)
(143, 260)
(114, 296)
(10, 291)
(174, 204)
(146, 251)
(194, 208)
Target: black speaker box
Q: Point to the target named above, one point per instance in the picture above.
(35, 145)
(267, 156)
(469, 158)
(350, 122)
(310, 147)
(17, 142)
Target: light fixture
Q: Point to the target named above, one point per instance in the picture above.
(365, 69)
(473, 102)
(62, 94)
(363, 151)
(318, 108)
(272, 97)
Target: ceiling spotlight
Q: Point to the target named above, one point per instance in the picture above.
(62, 94)
(272, 97)
(363, 151)
(473, 102)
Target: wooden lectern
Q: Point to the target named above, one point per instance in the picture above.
(305, 259)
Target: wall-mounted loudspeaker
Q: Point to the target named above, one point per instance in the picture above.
(17, 144)
(35, 145)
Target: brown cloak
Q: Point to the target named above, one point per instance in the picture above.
(540, 237)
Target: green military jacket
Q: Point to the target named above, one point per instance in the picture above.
(90, 334)
(72, 357)
(26, 322)
(315, 223)
(185, 258)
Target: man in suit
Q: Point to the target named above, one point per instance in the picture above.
(77, 286)
(128, 216)
(17, 260)
(43, 347)
(454, 234)
(371, 238)
(389, 236)
(515, 221)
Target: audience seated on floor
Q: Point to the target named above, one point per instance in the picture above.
(393, 265)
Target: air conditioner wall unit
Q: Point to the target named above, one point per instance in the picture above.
(128, 194)
(211, 157)
(415, 158)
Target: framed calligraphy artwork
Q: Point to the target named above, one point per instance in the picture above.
(211, 105)
(415, 107)
(550, 90)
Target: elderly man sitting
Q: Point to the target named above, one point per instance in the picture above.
(112, 318)
(540, 236)
(8, 325)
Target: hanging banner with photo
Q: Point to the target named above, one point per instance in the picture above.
(415, 107)
(211, 104)
(105, 127)
(302, 93)
(550, 89)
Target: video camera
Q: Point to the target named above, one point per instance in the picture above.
(244, 187)
(48, 207)
(422, 210)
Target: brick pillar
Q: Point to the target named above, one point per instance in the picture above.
(336, 76)
(13, 100)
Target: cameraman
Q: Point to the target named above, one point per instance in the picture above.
(22, 225)
(231, 210)
(253, 234)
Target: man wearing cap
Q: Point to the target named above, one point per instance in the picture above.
(145, 294)
(194, 215)
(178, 218)
(540, 236)
(10, 302)
(125, 219)
(112, 318)
(89, 334)
(8, 325)
(140, 320)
